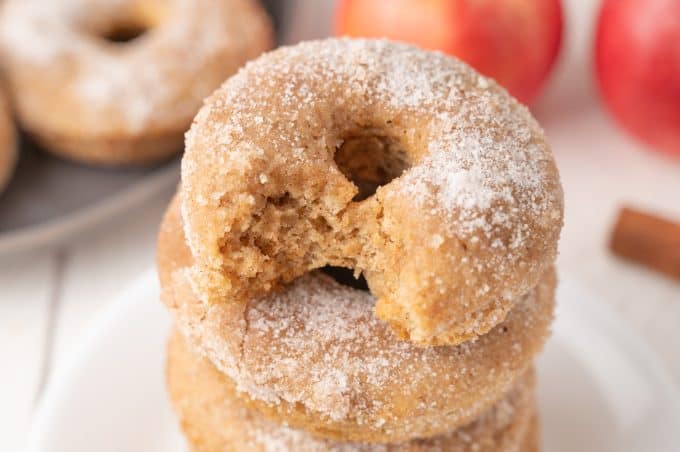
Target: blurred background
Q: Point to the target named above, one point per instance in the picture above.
(602, 77)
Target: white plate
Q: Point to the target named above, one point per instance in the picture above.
(600, 388)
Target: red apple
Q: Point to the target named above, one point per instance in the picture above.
(514, 41)
(637, 58)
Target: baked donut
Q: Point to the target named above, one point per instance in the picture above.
(8, 144)
(282, 163)
(532, 441)
(214, 420)
(90, 98)
(314, 355)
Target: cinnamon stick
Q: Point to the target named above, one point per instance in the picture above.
(648, 240)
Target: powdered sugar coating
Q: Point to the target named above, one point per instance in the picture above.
(315, 356)
(154, 83)
(482, 190)
(502, 428)
(318, 345)
(214, 420)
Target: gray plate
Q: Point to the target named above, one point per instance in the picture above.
(49, 199)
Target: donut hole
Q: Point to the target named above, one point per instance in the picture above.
(123, 33)
(122, 23)
(345, 276)
(370, 160)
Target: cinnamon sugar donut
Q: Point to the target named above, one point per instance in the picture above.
(281, 164)
(8, 144)
(532, 441)
(315, 357)
(214, 420)
(89, 98)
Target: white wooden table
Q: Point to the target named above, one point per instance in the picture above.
(48, 299)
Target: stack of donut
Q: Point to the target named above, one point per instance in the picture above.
(409, 169)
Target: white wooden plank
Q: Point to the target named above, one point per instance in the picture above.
(100, 265)
(25, 286)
